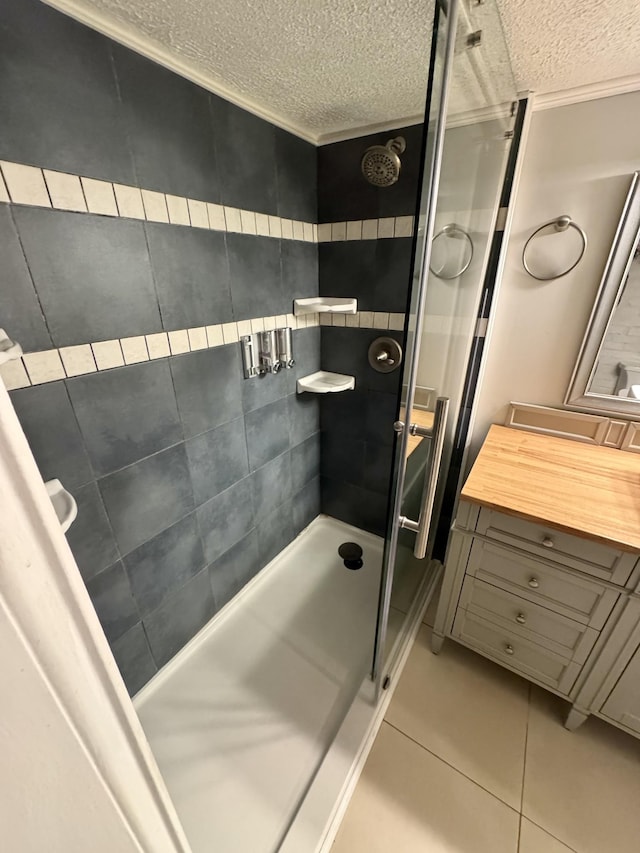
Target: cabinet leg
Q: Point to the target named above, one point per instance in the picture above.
(575, 719)
(436, 643)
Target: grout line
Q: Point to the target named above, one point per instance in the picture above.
(41, 367)
(544, 829)
(524, 764)
(526, 741)
(519, 833)
(453, 767)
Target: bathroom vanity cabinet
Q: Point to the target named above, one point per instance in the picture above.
(543, 570)
(623, 703)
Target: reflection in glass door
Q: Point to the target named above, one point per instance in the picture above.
(468, 136)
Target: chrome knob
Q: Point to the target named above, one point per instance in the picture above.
(548, 542)
(508, 648)
(385, 354)
(534, 583)
(521, 618)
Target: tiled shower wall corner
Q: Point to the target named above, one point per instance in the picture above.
(357, 428)
(188, 478)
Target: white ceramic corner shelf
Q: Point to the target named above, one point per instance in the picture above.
(63, 503)
(8, 349)
(325, 305)
(324, 382)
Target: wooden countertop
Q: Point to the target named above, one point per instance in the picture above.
(421, 417)
(580, 488)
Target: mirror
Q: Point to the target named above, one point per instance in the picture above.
(607, 374)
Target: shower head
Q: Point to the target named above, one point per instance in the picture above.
(381, 164)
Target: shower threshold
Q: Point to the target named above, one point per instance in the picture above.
(243, 717)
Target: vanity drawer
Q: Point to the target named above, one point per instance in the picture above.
(566, 637)
(567, 593)
(516, 652)
(585, 555)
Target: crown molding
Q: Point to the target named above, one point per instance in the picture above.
(367, 129)
(590, 92)
(497, 111)
(129, 37)
(482, 114)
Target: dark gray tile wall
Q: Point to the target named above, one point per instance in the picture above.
(61, 106)
(191, 272)
(375, 272)
(344, 194)
(357, 432)
(91, 273)
(357, 426)
(164, 539)
(89, 106)
(188, 478)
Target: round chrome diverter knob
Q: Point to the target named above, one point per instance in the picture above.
(385, 355)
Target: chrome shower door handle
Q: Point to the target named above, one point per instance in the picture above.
(421, 527)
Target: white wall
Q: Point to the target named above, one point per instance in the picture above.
(579, 161)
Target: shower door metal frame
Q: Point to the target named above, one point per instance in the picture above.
(428, 206)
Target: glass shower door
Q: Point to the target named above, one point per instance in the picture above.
(467, 141)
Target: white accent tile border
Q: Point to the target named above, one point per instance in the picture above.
(43, 366)
(100, 197)
(78, 360)
(365, 229)
(158, 345)
(22, 184)
(65, 191)
(36, 368)
(197, 338)
(108, 354)
(26, 184)
(129, 200)
(134, 349)
(4, 194)
(198, 213)
(155, 206)
(178, 210)
(215, 212)
(179, 341)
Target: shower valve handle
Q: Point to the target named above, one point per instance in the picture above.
(383, 358)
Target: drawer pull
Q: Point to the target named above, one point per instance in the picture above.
(508, 648)
(521, 618)
(534, 583)
(548, 542)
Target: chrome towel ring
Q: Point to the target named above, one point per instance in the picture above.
(562, 223)
(455, 231)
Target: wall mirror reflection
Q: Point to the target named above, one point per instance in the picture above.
(607, 373)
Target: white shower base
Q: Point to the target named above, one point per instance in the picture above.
(240, 720)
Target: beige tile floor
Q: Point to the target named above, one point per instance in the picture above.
(473, 759)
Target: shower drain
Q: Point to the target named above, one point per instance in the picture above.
(351, 553)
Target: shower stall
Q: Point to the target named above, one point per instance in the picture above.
(257, 537)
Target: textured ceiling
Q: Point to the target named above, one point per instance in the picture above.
(324, 67)
(562, 45)
(321, 65)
